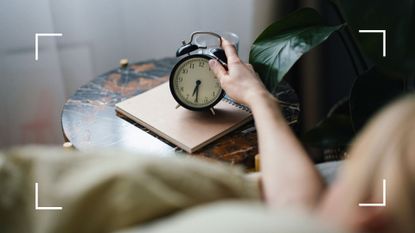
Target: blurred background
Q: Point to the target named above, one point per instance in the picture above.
(98, 33)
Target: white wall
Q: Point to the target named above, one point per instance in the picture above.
(31, 92)
(97, 33)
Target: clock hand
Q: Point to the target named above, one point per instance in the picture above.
(197, 93)
(196, 90)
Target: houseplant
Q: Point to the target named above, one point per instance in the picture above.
(378, 79)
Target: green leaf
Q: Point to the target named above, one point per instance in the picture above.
(277, 49)
(397, 18)
(370, 92)
(334, 131)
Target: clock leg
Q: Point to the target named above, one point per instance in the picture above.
(177, 106)
(212, 110)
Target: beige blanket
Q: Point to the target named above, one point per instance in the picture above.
(115, 191)
(106, 191)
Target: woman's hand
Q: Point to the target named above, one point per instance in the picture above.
(288, 176)
(240, 82)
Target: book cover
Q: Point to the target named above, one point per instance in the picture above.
(189, 130)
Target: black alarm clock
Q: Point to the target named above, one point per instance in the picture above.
(192, 83)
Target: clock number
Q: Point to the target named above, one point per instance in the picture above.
(213, 94)
(201, 64)
(181, 89)
(185, 71)
(180, 79)
(192, 66)
(206, 99)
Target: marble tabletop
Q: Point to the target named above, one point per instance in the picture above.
(89, 119)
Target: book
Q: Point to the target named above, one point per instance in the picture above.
(156, 110)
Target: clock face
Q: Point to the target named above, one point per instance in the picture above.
(194, 85)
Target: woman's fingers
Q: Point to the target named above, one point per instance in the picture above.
(217, 69)
(230, 52)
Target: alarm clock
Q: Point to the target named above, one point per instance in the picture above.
(192, 83)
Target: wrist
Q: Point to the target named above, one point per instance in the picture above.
(261, 98)
(265, 106)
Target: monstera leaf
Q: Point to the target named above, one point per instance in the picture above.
(397, 19)
(336, 130)
(370, 92)
(277, 49)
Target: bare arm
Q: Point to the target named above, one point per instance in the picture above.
(288, 175)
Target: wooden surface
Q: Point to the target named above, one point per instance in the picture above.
(89, 119)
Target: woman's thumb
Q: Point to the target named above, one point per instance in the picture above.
(217, 69)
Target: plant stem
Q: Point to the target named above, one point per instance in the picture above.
(352, 45)
(349, 52)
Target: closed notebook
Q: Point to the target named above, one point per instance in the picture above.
(189, 130)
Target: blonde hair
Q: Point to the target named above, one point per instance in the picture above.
(386, 150)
